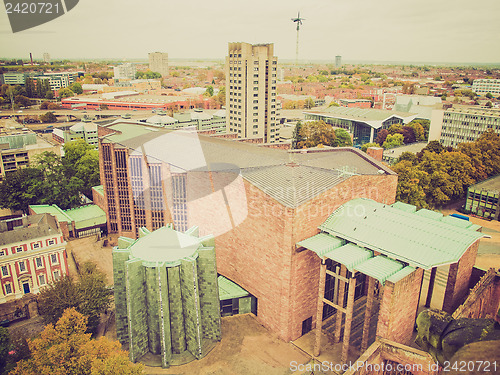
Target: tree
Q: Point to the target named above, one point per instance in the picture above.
(65, 92)
(209, 91)
(342, 138)
(489, 95)
(412, 183)
(88, 295)
(4, 347)
(22, 101)
(30, 88)
(316, 133)
(393, 140)
(45, 104)
(23, 187)
(81, 161)
(48, 117)
(53, 106)
(367, 145)
(297, 136)
(309, 103)
(408, 134)
(420, 128)
(411, 157)
(76, 87)
(432, 146)
(395, 128)
(49, 94)
(381, 136)
(488, 104)
(65, 348)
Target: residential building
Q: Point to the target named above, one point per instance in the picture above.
(363, 123)
(85, 130)
(247, 196)
(18, 147)
(158, 62)
(484, 86)
(166, 295)
(251, 91)
(124, 71)
(483, 198)
(462, 124)
(59, 80)
(32, 255)
(338, 61)
(46, 57)
(84, 221)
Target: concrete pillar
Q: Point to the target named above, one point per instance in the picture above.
(431, 287)
(340, 302)
(319, 312)
(368, 312)
(348, 319)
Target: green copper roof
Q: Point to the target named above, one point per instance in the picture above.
(405, 207)
(402, 234)
(99, 189)
(230, 290)
(87, 216)
(401, 274)
(53, 210)
(379, 267)
(350, 255)
(321, 243)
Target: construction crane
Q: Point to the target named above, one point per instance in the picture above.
(299, 22)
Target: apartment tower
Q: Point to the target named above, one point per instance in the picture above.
(158, 62)
(251, 91)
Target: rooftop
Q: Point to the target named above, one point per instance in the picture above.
(83, 217)
(397, 151)
(490, 184)
(34, 226)
(291, 178)
(423, 238)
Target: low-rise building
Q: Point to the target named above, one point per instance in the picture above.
(363, 123)
(483, 198)
(355, 103)
(18, 147)
(32, 255)
(85, 130)
(391, 155)
(124, 71)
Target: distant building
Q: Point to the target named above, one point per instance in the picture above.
(462, 124)
(391, 155)
(158, 62)
(197, 119)
(135, 84)
(85, 130)
(46, 57)
(251, 92)
(363, 123)
(124, 71)
(14, 78)
(32, 255)
(56, 80)
(338, 61)
(18, 146)
(355, 103)
(483, 198)
(166, 295)
(484, 86)
(419, 104)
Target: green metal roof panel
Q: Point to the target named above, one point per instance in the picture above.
(349, 255)
(456, 221)
(321, 243)
(429, 214)
(87, 216)
(401, 274)
(404, 207)
(99, 189)
(51, 209)
(230, 290)
(401, 235)
(379, 267)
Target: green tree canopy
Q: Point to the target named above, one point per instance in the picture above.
(88, 295)
(342, 138)
(393, 140)
(76, 87)
(48, 117)
(65, 92)
(367, 145)
(314, 133)
(65, 348)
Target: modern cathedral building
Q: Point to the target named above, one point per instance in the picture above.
(251, 92)
(258, 202)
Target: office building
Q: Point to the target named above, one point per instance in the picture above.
(125, 71)
(158, 62)
(484, 86)
(251, 92)
(483, 198)
(32, 255)
(363, 123)
(462, 124)
(46, 57)
(85, 130)
(166, 295)
(247, 196)
(338, 61)
(18, 146)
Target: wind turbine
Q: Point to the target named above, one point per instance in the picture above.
(299, 22)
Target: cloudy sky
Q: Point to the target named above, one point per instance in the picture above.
(455, 31)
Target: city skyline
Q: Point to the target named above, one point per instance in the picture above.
(361, 30)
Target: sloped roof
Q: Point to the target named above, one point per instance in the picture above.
(400, 233)
(40, 225)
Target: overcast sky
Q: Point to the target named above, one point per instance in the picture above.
(360, 30)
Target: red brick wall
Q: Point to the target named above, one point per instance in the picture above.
(398, 308)
(459, 278)
(484, 299)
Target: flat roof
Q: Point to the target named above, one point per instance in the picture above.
(397, 151)
(490, 184)
(290, 177)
